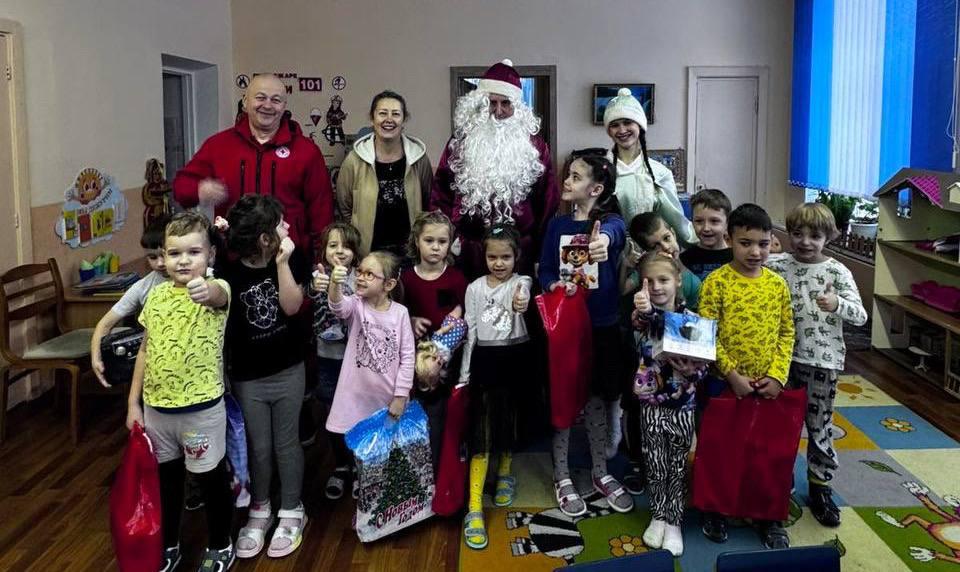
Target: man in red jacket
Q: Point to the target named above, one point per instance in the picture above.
(264, 153)
(496, 169)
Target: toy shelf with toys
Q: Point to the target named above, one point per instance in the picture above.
(916, 303)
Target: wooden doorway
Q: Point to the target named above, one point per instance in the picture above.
(15, 239)
(543, 80)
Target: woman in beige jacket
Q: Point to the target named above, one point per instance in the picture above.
(385, 181)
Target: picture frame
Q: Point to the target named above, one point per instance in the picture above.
(676, 161)
(604, 92)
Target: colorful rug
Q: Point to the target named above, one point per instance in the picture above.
(898, 488)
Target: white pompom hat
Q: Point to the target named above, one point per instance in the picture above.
(502, 79)
(625, 106)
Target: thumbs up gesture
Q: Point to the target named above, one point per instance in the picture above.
(641, 300)
(521, 298)
(198, 290)
(321, 281)
(598, 244)
(827, 301)
(339, 274)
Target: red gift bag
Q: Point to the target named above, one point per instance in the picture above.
(746, 450)
(452, 472)
(570, 350)
(135, 507)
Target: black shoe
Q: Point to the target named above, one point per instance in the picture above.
(773, 535)
(715, 527)
(308, 429)
(633, 479)
(171, 559)
(822, 506)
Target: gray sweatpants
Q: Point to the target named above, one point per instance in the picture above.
(271, 412)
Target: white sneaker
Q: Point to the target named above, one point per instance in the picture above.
(653, 536)
(673, 540)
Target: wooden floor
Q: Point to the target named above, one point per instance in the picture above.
(54, 499)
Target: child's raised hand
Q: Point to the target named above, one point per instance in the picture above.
(339, 274)
(199, 290)
(285, 250)
(598, 244)
(827, 301)
(767, 387)
(420, 326)
(641, 300)
(321, 281)
(521, 298)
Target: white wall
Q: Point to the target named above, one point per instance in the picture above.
(409, 46)
(93, 81)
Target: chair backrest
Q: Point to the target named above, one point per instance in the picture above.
(29, 291)
(800, 559)
(653, 561)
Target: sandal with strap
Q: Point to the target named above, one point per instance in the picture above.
(289, 536)
(506, 489)
(336, 483)
(254, 534)
(474, 532)
(565, 501)
(614, 491)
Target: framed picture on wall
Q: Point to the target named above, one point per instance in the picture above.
(676, 161)
(604, 92)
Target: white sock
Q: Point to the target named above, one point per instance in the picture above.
(673, 540)
(653, 536)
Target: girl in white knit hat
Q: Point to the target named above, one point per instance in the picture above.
(643, 185)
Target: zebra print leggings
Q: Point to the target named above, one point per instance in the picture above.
(667, 437)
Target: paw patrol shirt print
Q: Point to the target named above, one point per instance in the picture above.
(575, 263)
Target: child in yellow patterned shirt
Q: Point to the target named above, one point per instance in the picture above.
(178, 374)
(755, 336)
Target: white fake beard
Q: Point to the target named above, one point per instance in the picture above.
(494, 162)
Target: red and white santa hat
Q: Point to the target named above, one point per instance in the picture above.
(502, 79)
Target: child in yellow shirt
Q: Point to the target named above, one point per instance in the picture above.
(755, 336)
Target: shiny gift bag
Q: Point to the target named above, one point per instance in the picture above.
(570, 352)
(746, 450)
(135, 520)
(394, 469)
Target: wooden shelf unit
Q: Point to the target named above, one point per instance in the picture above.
(899, 264)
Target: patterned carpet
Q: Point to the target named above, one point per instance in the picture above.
(898, 489)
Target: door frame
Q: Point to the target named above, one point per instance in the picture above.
(762, 74)
(18, 123)
(548, 71)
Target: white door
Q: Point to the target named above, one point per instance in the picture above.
(10, 253)
(725, 135)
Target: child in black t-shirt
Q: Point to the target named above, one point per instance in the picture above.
(265, 366)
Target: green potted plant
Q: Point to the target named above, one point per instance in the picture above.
(863, 219)
(840, 205)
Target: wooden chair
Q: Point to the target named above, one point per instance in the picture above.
(33, 291)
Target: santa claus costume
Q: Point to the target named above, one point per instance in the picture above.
(496, 171)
